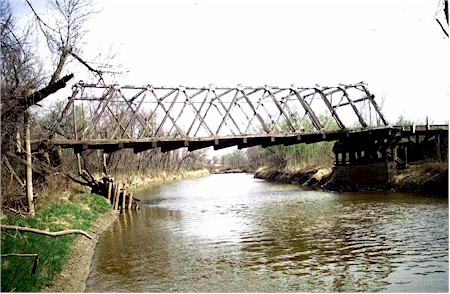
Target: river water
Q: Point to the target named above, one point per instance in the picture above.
(234, 233)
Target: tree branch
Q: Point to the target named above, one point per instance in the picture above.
(39, 95)
(85, 64)
(442, 27)
(36, 231)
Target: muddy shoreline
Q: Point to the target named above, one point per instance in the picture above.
(76, 270)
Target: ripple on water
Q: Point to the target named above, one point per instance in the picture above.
(268, 237)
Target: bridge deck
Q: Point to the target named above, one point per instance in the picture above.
(194, 143)
(242, 141)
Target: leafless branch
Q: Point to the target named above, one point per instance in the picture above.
(36, 231)
(442, 27)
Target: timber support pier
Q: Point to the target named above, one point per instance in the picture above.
(116, 193)
(374, 159)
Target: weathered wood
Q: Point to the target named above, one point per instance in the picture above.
(110, 184)
(315, 121)
(280, 108)
(331, 109)
(310, 137)
(261, 120)
(352, 104)
(116, 197)
(130, 106)
(113, 195)
(124, 193)
(130, 201)
(227, 110)
(98, 112)
(167, 111)
(197, 111)
(51, 234)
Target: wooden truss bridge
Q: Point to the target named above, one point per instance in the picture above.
(113, 117)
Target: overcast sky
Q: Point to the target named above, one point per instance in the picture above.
(396, 47)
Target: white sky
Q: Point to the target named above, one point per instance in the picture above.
(396, 47)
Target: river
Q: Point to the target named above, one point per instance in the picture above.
(234, 233)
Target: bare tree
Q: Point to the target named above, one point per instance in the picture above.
(444, 9)
(24, 84)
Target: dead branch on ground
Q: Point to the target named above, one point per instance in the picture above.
(36, 231)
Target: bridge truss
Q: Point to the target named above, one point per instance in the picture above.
(112, 117)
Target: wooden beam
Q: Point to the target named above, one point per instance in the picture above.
(114, 148)
(174, 145)
(195, 145)
(145, 146)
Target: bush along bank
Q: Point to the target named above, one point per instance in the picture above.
(314, 177)
(429, 178)
(24, 274)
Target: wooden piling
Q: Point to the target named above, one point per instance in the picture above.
(116, 195)
(113, 194)
(124, 193)
(130, 201)
(109, 190)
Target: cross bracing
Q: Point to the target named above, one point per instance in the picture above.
(112, 117)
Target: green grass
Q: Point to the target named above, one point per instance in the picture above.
(53, 251)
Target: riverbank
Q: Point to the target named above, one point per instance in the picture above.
(77, 268)
(423, 177)
(137, 181)
(313, 177)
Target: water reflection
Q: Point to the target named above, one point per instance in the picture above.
(233, 233)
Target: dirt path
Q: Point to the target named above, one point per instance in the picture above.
(76, 270)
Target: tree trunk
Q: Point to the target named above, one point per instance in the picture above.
(29, 169)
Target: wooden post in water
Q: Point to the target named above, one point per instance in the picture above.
(116, 200)
(124, 193)
(109, 190)
(130, 200)
(113, 194)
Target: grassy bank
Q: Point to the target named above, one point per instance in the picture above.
(80, 213)
(424, 177)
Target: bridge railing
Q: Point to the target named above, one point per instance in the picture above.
(129, 112)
